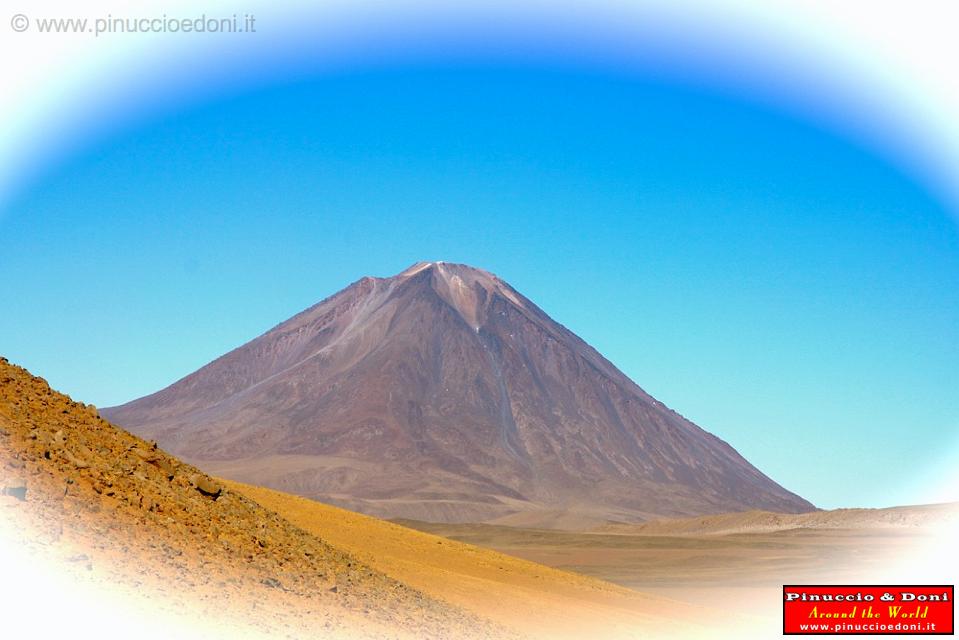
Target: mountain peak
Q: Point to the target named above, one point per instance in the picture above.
(466, 289)
(415, 268)
(441, 393)
(446, 270)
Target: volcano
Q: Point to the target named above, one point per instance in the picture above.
(444, 394)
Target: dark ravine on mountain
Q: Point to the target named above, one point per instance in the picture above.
(443, 394)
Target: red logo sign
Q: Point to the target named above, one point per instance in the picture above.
(872, 609)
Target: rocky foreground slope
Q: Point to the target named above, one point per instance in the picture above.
(78, 490)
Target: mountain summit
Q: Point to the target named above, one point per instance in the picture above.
(443, 394)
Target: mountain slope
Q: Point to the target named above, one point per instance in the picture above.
(79, 492)
(444, 394)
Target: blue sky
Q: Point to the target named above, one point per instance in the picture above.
(791, 288)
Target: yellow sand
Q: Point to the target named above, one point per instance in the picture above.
(533, 599)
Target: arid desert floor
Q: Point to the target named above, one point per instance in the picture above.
(732, 561)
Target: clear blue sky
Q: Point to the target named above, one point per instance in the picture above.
(785, 286)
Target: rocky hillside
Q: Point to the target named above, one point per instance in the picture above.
(78, 490)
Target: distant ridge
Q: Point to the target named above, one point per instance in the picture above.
(925, 517)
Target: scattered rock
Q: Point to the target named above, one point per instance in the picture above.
(165, 466)
(146, 456)
(206, 486)
(77, 462)
(156, 459)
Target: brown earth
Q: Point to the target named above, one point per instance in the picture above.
(539, 601)
(739, 561)
(115, 509)
(444, 394)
